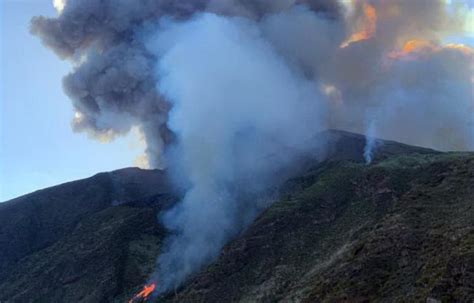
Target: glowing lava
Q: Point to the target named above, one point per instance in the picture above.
(368, 27)
(144, 294)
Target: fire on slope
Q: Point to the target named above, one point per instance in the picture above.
(144, 294)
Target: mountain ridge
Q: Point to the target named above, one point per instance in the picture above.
(97, 239)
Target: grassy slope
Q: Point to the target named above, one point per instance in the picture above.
(399, 230)
(107, 253)
(69, 243)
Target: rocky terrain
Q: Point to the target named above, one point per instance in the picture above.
(398, 230)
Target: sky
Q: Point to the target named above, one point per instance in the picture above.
(37, 145)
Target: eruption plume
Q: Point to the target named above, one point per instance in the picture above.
(251, 106)
(228, 94)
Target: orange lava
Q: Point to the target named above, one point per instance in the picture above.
(368, 28)
(144, 294)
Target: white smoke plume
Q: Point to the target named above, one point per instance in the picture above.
(371, 142)
(227, 93)
(236, 106)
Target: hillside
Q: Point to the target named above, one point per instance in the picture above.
(400, 229)
(71, 241)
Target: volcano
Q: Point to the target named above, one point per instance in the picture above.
(399, 229)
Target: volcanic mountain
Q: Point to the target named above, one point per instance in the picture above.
(399, 229)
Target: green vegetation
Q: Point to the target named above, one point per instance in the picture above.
(398, 230)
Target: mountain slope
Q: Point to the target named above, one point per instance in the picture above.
(401, 229)
(64, 241)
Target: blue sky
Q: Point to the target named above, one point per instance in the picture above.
(37, 145)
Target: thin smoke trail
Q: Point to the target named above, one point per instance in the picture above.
(370, 144)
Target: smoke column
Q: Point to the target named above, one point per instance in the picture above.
(236, 106)
(229, 93)
(370, 145)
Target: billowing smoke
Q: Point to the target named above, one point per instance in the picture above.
(236, 106)
(228, 93)
(112, 86)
